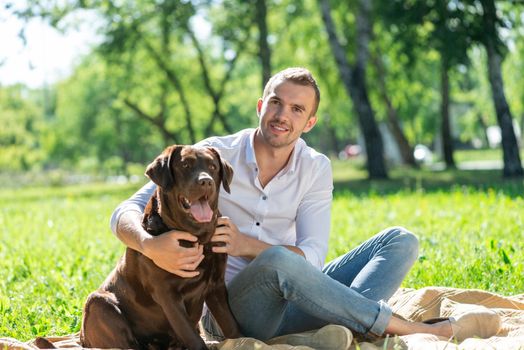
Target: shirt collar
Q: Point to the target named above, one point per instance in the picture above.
(291, 164)
(250, 149)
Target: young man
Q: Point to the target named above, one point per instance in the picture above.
(276, 226)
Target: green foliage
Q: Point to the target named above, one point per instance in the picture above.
(178, 71)
(93, 127)
(22, 121)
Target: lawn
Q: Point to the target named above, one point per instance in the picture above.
(56, 245)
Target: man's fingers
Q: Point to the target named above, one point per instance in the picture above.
(223, 220)
(189, 260)
(222, 230)
(186, 236)
(220, 238)
(186, 274)
(193, 265)
(222, 249)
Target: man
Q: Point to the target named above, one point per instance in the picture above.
(276, 228)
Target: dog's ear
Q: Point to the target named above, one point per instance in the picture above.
(226, 170)
(159, 171)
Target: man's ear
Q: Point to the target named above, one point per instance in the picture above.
(159, 171)
(259, 106)
(310, 123)
(226, 170)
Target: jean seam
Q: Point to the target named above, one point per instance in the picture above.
(300, 298)
(380, 245)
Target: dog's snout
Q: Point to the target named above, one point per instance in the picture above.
(205, 180)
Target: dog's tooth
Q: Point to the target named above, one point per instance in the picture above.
(186, 203)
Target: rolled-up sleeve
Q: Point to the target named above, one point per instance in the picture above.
(137, 202)
(313, 222)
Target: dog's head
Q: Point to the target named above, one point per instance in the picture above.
(189, 180)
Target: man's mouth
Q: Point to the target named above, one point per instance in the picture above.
(279, 128)
(199, 208)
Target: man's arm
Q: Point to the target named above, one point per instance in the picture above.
(313, 221)
(164, 250)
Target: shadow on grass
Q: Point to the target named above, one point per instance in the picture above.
(411, 180)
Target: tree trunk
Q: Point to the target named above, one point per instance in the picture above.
(264, 52)
(510, 149)
(354, 80)
(447, 139)
(406, 151)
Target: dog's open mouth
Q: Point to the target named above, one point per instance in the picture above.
(199, 208)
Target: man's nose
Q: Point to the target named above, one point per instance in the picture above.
(282, 113)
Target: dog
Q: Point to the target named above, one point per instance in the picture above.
(141, 306)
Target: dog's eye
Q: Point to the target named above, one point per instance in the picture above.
(185, 165)
(212, 167)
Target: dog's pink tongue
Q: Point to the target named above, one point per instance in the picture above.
(201, 211)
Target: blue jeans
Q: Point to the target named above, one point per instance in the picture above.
(280, 293)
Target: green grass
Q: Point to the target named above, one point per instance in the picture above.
(479, 154)
(56, 246)
(469, 239)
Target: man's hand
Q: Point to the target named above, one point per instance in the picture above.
(167, 253)
(227, 233)
(235, 242)
(238, 244)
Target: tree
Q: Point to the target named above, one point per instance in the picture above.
(92, 125)
(22, 126)
(264, 52)
(157, 43)
(489, 36)
(406, 150)
(354, 79)
(439, 25)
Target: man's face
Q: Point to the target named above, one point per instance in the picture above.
(285, 113)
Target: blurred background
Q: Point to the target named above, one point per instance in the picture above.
(93, 90)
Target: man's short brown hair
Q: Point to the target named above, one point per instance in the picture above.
(297, 75)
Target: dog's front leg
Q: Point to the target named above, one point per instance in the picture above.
(176, 314)
(217, 302)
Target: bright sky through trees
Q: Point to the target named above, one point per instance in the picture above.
(45, 54)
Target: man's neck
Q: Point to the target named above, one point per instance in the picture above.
(270, 160)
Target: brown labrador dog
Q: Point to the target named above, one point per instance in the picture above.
(141, 306)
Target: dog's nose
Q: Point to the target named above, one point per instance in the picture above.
(205, 180)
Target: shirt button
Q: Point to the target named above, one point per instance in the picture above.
(258, 224)
(264, 197)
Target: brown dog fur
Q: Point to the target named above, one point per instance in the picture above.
(142, 306)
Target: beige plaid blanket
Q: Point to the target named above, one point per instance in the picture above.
(416, 305)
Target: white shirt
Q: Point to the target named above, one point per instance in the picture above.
(294, 208)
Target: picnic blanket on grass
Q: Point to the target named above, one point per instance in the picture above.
(411, 304)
